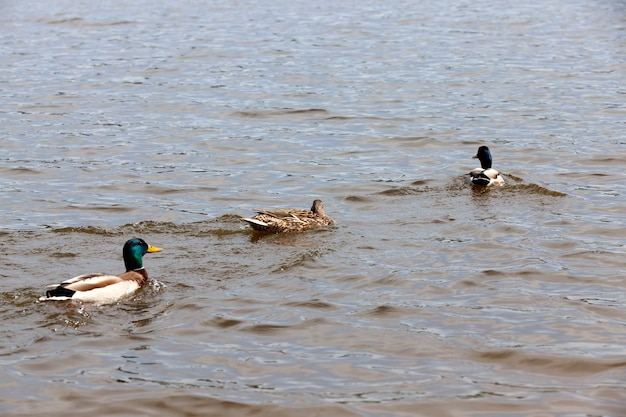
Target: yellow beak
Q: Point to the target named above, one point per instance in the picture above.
(153, 249)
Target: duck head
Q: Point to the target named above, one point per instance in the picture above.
(318, 207)
(133, 252)
(484, 156)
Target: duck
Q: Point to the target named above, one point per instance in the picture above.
(288, 219)
(102, 289)
(485, 175)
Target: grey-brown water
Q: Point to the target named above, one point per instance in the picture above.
(169, 121)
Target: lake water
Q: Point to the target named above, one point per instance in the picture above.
(171, 120)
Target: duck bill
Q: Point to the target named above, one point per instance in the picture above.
(152, 249)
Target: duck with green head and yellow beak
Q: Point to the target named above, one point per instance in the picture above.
(106, 289)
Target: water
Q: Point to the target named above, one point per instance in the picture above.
(169, 121)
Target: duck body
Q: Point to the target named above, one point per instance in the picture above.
(289, 220)
(485, 176)
(106, 289)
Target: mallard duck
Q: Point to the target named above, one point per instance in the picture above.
(485, 175)
(106, 289)
(289, 220)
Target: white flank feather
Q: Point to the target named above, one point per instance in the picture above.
(44, 298)
(107, 295)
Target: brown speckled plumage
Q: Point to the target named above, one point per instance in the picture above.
(289, 220)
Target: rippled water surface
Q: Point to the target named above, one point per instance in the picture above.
(171, 120)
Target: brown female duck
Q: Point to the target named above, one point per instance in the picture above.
(289, 220)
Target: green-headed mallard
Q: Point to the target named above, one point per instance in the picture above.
(107, 289)
(289, 220)
(485, 175)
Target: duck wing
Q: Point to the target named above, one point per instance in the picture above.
(282, 213)
(484, 177)
(478, 177)
(88, 282)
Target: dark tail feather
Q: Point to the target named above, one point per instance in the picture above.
(60, 292)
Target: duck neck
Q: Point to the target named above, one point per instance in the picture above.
(142, 271)
(485, 160)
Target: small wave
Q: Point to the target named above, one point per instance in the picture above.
(366, 117)
(78, 22)
(359, 199)
(551, 365)
(149, 226)
(91, 230)
(169, 190)
(298, 260)
(22, 171)
(224, 323)
(272, 328)
(264, 328)
(400, 191)
(267, 114)
(312, 304)
(116, 208)
(146, 226)
(538, 190)
(384, 311)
